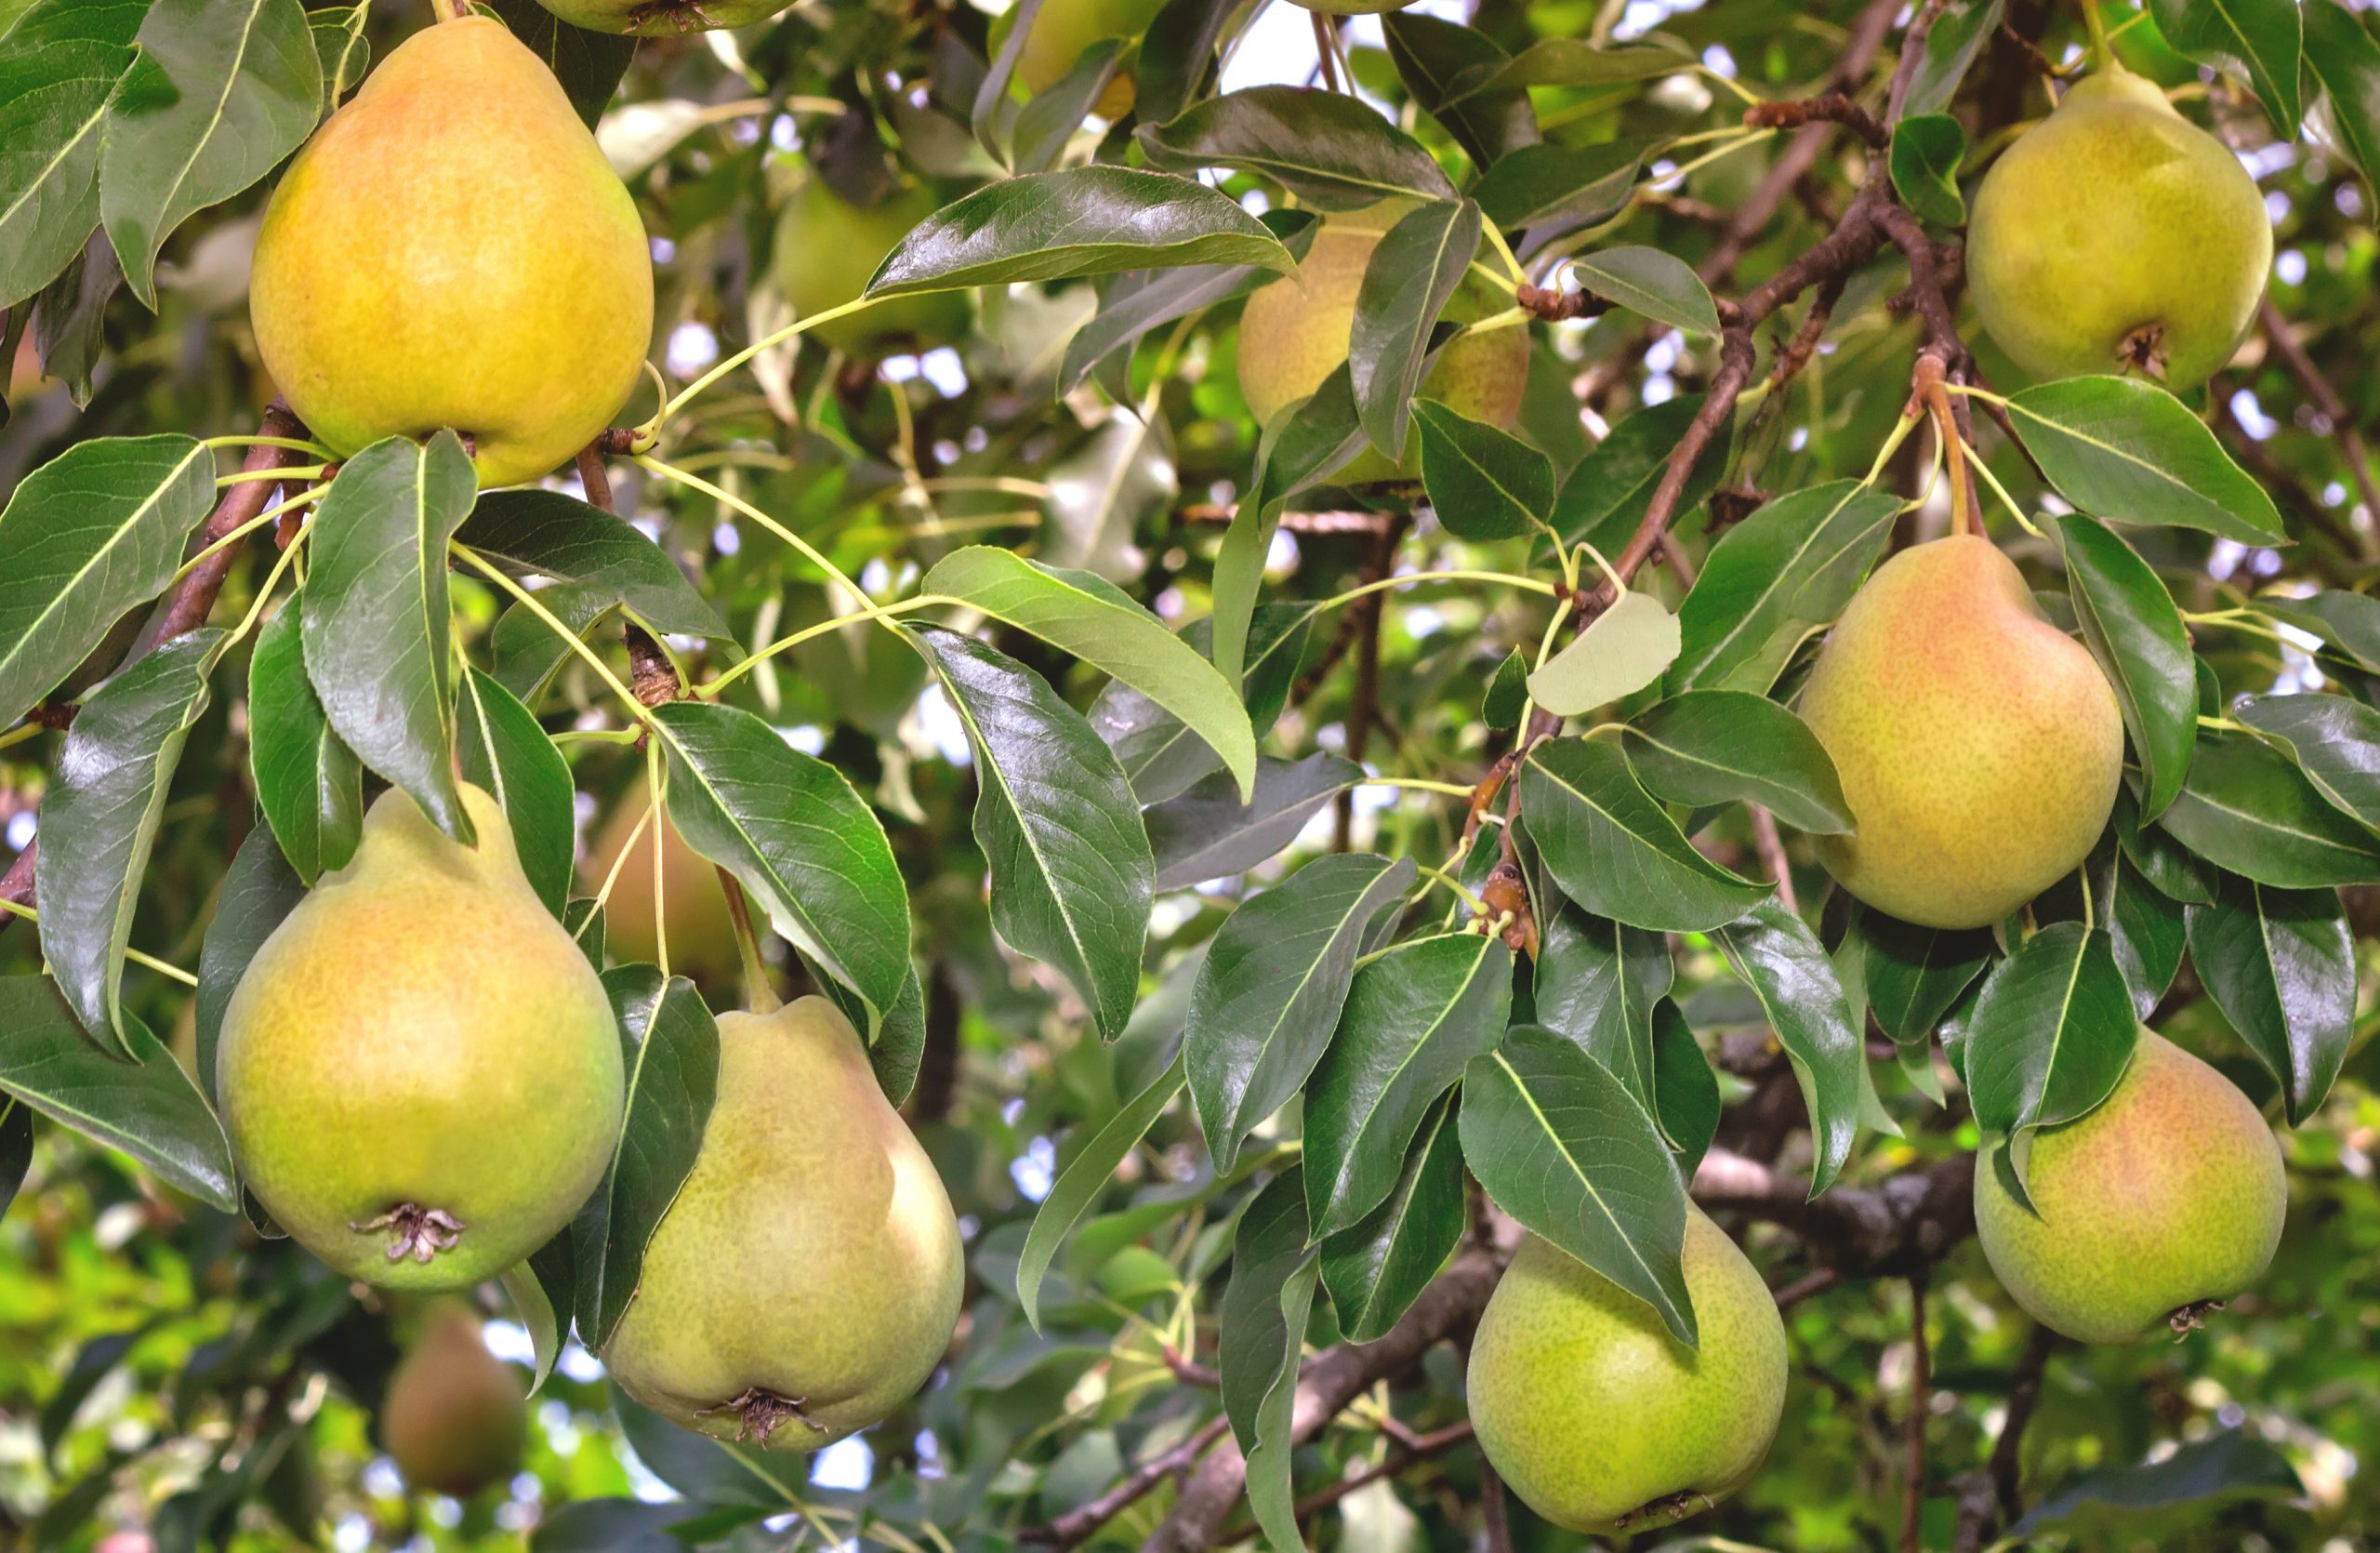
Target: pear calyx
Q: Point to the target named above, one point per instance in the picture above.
(414, 1231)
(758, 1411)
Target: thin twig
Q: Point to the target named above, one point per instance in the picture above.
(1078, 1526)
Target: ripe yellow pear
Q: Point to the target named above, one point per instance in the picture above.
(453, 1420)
(1597, 1416)
(1061, 30)
(661, 18)
(807, 1278)
(1293, 334)
(694, 904)
(451, 250)
(1980, 745)
(2161, 1204)
(2117, 236)
(419, 1072)
(827, 249)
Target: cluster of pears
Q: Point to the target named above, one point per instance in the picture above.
(2117, 236)
(1294, 333)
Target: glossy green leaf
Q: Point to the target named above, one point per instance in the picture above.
(1160, 753)
(1408, 280)
(1045, 125)
(1432, 55)
(1330, 150)
(2146, 929)
(1485, 484)
(2345, 60)
(58, 65)
(1775, 578)
(260, 890)
(2349, 622)
(2248, 809)
(588, 64)
(2335, 741)
(1605, 496)
(1924, 158)
(1597, 984)
(2133, 629)
(1709, 746)
(1261, 1328)
(1138, 301)
(2125, 449)
(1685, 1091)
(2266, 37)
(1570, 61)
(2165, 862)
(1081, 1181)
(308, 782)
(507, 755)
(1413, 1020)
(1177, 55)
(1622, 651)
(1069, 858)
(2051, 1031)
(1303, 445)
(2280, 965)
(1915, 975)
(1615, 851)
(1782, 962)
(1560, 185)
(1507, 694)
(1651, 283)
(2229, 1467)
(1958, 36)
(588, 555)
(1208, 833)
(1376, 1267)
(542, 1298)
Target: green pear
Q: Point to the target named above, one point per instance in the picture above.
(827, 249)
(451, 250)
(2161, 1204)
(659, 19)
(1293, 334)
(1063, 29)
(419, 1072)
(694, 904)
(2117, 236)
(806, 1281)
(1597, 1416)
(1979, 746)
(452, 1420)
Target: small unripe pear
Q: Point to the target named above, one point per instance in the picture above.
(1979, 746)
(452, 1420)
(2163, 1202)
(1063, 29)
(693, 903)
(827, 249)
(1597, 1416)
(2117, 236)
(661, 18)
(1293, 334)
(451, 250)
(806, 1281)
(419, 1072)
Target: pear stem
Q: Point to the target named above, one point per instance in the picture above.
(448, 10)
(759, 994)
(2102, 56)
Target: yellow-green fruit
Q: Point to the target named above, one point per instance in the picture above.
(694, 904)
(2163, 1202)
(452, 250)
(453, 1419)
(1061, 30)
(807, 1278)
(661, 18)
(1980, 745)
(1596, 1415)
(419, 1072)
(827, 249)
(1293, 334)
(2117, 236)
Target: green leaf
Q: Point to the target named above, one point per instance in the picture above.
(1615, 851)
(99, 821)
(1160, 754)
(2134, 631)
(1686, 1092)
(1261, 1327)
(587, 64)
(2051, 1031)
(259, 889)
(1915, 975)
(1176, 54)
(308, 782)
(1071, 871)
(1432, 56)
(1303, 446)
(1139, 300)
(798, 837)
(1507, 694)
(1924, 160)
(1092, 618)
(16, 1148)
(1414, 1019)
(1409, 278)
(1709, 746)
(2266, 37)
(1597, 984)
(1773, 579)
(1958, 36)
(589, 556)
(1622, 650)
(2280, 965)
(2340, 51)
(1332, 151)
(1564, 61)
(2349, 622)
(1092, 220)
(377, 629)
(1605, 496)
(146, 1107)
(223, 90)
(345, 53)
(1484, 482)
(671, 1047)
(505, 751)
(2146, 928)
(1564, 1147)
(2335, 740)
(2247, 808)
(1047, 122)
(85, 538)
(541, 1292)
(1782, 962)
(58, 65)
(1271, 989)
(1208, 833)
(2125, 449)
(1651, 283)
(1560, 185)
(1084, 1178)
(1375, 1269)
(2171, 869)
(2230, 1466)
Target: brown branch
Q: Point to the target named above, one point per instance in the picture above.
(1078, 1526)
(1825, 108)
(1421, 1448)
(2024, 1395)
(1771, 847)
(1920, 1386)
(1791, 1294)
(1901, 1225)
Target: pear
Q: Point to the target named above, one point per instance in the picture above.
(2117, 236)
(419, 1072)
(1597, 1416)
(659, 19)
(2156, 1207)
(452, 1420)
(1293, 334)
(827, 249)
(451, 250)
(1063, 29)
(694, 904)
(806, 1281)
(1979, 746)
